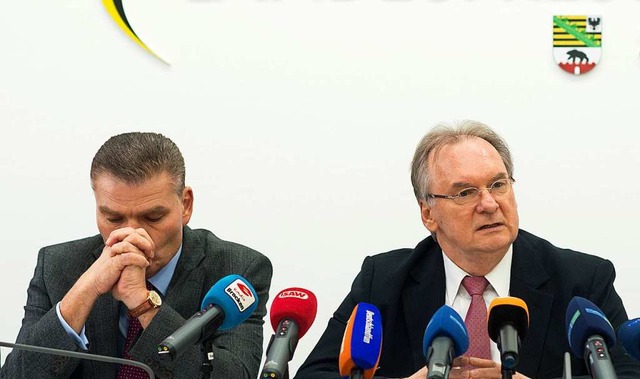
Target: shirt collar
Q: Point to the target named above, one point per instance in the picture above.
(499, 278)
(163, 277)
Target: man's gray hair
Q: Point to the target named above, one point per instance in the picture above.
(137, 156)
(443, 135)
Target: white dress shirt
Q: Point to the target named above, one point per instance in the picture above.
(459, 299)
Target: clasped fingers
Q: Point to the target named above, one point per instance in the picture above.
(139, 238)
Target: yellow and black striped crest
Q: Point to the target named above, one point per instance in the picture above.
(577, 42)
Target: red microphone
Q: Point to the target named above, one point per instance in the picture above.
(292, 313)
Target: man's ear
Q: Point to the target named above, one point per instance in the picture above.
(187, 205)
(426, 216)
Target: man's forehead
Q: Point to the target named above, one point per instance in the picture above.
(465, 160)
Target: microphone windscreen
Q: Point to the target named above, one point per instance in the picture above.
(362, 341)
(584, 319)
(629, 336)
(296, 304)
(507, 310)
(235, 296)
(446, 322)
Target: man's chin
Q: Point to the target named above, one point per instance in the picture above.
(496, 243)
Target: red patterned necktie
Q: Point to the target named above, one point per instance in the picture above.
(476, 320)
(133, 332)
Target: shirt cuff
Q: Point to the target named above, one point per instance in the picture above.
(80, 340)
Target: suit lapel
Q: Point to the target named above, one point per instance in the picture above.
(188, 283)
(527, 277)
(423, 294)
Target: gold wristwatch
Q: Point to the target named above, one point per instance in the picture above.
(153, 301)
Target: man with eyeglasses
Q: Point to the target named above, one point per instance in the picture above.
(463, 180)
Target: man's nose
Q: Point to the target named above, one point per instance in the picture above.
(132, 223)
(487, 202)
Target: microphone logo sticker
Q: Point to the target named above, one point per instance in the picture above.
(368, 327)
(240, 294)
(245, 290)
(296, 294)
(595, 312)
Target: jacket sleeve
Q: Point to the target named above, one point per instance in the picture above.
(40, 327)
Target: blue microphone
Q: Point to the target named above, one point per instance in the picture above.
(629, 336)
(227, 304)
(589, 333)
(445, 338)
(361, 343)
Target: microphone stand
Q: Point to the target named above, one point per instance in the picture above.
(75, 354)
(207, 358)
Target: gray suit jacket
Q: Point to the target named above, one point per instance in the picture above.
(205, 259)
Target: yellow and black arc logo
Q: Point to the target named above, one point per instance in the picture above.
(116, 11)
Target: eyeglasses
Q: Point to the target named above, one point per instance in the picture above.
(471, 195)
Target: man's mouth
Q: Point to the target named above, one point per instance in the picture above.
(490, 226)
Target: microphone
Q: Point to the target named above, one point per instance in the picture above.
(629, 336)
(361, 343)
(589, 333)
(292, 313)
(507, 324)
(76, 354)
(445, 338)
(227, 304)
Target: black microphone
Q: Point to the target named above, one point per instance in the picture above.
(227, 304)
(292, 313)
(507, 324)
(589, 334)
(75, 354)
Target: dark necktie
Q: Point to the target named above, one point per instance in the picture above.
(476, 320)
(133, 332)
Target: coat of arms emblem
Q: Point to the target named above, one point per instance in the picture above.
(577, 42)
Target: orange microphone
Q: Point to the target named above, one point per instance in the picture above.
(507, 324)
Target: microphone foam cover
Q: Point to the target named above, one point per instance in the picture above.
(446, 322)
(297, 304)
(362, 341)
(629, 336)
(507, 310)
(235, 296)
(584, 319)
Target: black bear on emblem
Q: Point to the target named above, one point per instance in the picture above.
(577, 54)
(594, 22)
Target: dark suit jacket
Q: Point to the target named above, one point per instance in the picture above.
(408, 286)
(205, 259)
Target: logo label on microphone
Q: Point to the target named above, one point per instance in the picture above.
(595, 312)
(368, 327)
(240, 294)
(296, 294)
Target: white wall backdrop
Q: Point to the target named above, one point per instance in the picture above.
(298, 120)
